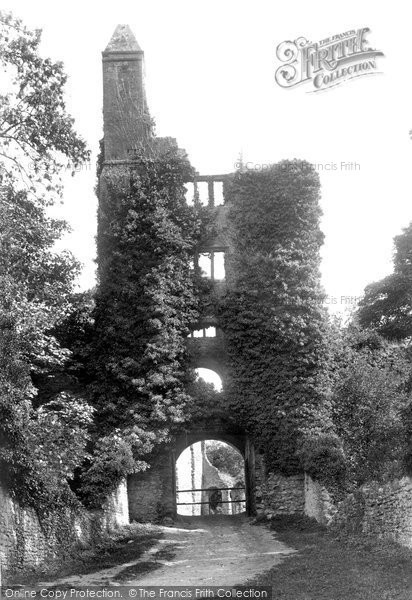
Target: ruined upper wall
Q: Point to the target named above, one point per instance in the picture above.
(125, 115)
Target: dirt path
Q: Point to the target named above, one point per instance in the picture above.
(201, 551)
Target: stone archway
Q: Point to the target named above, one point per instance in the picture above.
(213, 364)
(152, 494)
(207, 469)
(239, 440)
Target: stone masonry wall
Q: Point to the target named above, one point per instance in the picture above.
(384, 511)
(116, 509)
(318, 503)
(151, 493)
(25, 542)
(280, 495)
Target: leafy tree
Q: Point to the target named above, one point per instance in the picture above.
(37, 138)
(206, 403)
(52, 426)
(44, 278)
(36, 286)
(370, 404)
(75, 332)
(387, 304)
(114, 456)
(225, 458)
(35, 281)
(387, 309)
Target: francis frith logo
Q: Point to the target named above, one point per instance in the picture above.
(327, 63)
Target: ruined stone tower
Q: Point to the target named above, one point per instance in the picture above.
(127, 128)
(289, 191)
(125, 114)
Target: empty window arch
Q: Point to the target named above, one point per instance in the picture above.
(210, 377)
(203, 192)
(212, 264)
(218, 193)
(208, 192)
(209, 331)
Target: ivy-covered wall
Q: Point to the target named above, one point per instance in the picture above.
(272, 349)
(272, 315)
(145, 304)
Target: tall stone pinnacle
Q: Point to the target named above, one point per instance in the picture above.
(125, 115)
(123, 40)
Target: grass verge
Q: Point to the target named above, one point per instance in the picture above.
(330, 566)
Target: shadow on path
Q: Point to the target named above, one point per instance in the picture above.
(197, 551)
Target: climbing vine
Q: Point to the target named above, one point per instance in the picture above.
(272, 316)
(145, 303)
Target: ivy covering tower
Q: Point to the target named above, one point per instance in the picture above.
(272, 313)
(144, 300)
(245, 269)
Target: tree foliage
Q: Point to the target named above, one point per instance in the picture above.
(387, 304)
(36, 282)
(36, 285)
(370, 404)
(386, 312)
(225, 458)
(37, 137)
(206, 403)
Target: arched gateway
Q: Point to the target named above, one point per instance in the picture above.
(152, 494)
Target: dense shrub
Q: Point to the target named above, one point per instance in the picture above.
(370, 404)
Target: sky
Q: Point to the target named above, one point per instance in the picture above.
(210, 83)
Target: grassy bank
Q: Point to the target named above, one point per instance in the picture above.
(337, 567)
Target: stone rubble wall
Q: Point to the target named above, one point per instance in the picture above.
(151, 493)
(28, 543)
(318, 502)
(279, 495)
(384, 511)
